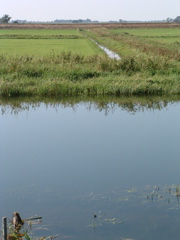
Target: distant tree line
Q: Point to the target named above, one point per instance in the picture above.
(6, 18)
(74, 21)
(19, 21)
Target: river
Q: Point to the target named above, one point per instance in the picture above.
(92, 169)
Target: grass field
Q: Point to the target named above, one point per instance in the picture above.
(161, 35)
(42, 42)
(150, 32)
(66, 62)
(41, 47)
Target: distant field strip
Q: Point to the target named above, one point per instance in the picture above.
(39, 32)
(28, 36)
(167, 40)
(151, 32)
(162, 35)
(45, 46)
(42, 42)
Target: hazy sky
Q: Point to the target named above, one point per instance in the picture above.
(101, 10)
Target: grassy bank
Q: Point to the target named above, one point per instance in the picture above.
(57, 71)
(73, 74)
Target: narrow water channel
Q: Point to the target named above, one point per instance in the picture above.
(108, 52)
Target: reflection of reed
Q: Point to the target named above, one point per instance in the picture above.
(178, 193)
(103, 103)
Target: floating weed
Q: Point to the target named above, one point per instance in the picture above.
(161, 196)
(131, 190)
(101, 219)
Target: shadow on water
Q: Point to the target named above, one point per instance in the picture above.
(106, 104)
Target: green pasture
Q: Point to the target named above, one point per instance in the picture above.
(41, 47)
(161, 35)
(41, 42)
(149, 32)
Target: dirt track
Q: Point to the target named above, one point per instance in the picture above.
(89, 25)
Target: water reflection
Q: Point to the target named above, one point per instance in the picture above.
(105, 104)
(100, 168)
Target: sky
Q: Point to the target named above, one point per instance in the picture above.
(101, 10)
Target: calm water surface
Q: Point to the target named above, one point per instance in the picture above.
(92, 172)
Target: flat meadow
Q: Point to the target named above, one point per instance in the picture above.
(41, 42)
(150, 32)
(67, 62)
(162, 35)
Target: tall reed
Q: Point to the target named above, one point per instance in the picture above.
(73, 74)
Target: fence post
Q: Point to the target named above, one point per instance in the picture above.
(4, 228)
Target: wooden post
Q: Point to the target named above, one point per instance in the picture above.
(4, 228)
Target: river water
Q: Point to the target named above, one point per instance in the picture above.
(92, 170)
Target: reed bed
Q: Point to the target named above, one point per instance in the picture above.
(69, 74)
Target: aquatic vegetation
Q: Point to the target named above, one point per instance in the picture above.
(101, 219)
(147, 198)
(163, 195)
(17, 229)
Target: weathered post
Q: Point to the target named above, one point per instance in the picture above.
(4, 228)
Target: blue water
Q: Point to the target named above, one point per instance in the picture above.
(67, 163)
